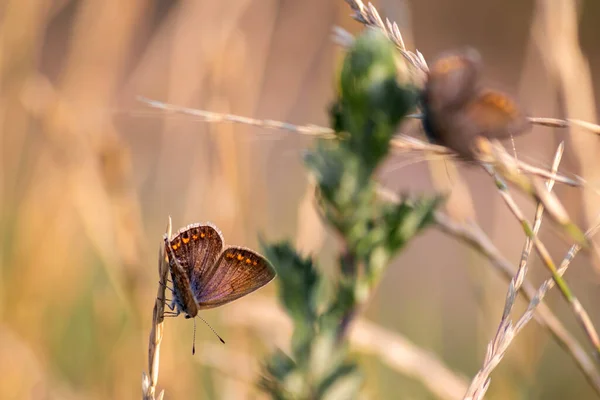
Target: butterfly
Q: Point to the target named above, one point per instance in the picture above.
(458, 108)
(205, 275)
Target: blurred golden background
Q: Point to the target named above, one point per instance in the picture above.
(89, 176)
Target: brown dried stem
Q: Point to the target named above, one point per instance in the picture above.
(507, 331)
(472, 235)
(149, 381)
(580, 313)
(497, 347)
(400, 143)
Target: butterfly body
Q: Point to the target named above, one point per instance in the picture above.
(205, 275)
(457, 108)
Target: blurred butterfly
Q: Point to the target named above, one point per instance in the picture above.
(457, 108)
(205, 275)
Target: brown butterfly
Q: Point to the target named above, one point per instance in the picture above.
(457, 108)
(205, 275)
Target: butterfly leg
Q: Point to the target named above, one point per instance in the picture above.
(170, 314)
(166, 286)
(169, 303)
(173, 311)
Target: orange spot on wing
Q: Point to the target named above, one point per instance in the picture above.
(448, 64)
(240, 257)
(501, 102)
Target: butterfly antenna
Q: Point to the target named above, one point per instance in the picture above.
(211, 328)
(194, 340)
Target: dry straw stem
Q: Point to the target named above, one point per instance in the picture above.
(394, 350)
(207, 116)
(472, 235)
(507, 331)
(497, 347)
(400, 143)
(498, 163)
(150, 381)
(576, 306)
(549, 283)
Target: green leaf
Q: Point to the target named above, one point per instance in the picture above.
(343, 384)
(298, 281)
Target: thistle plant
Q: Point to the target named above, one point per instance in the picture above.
(371, 102)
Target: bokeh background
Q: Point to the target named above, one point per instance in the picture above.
(89, 176)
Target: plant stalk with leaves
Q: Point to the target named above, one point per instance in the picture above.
(370, 105)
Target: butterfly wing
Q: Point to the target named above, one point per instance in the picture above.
(451, 83)
(490, 114)
(183, 298)
(237, 272)
(195, 248)
(452, 79)
(496, 115)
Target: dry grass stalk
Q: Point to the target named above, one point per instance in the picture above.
(549, 283)
(565, 123)
(576, 306)
(401, 143)
(209, 116)
(481, 381)
(149, 381)
(507, 331)
(551, 123)
(472, 235)
(501, 166)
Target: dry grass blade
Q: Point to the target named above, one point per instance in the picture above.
(550, 122)
(502, 339)
(580, 313)
(500, 165)
(150, 381)
(565, 123)
(549, 283)
(517, 282)
(505, 332)
(208, 116)
(400, 143)
(473, 236)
